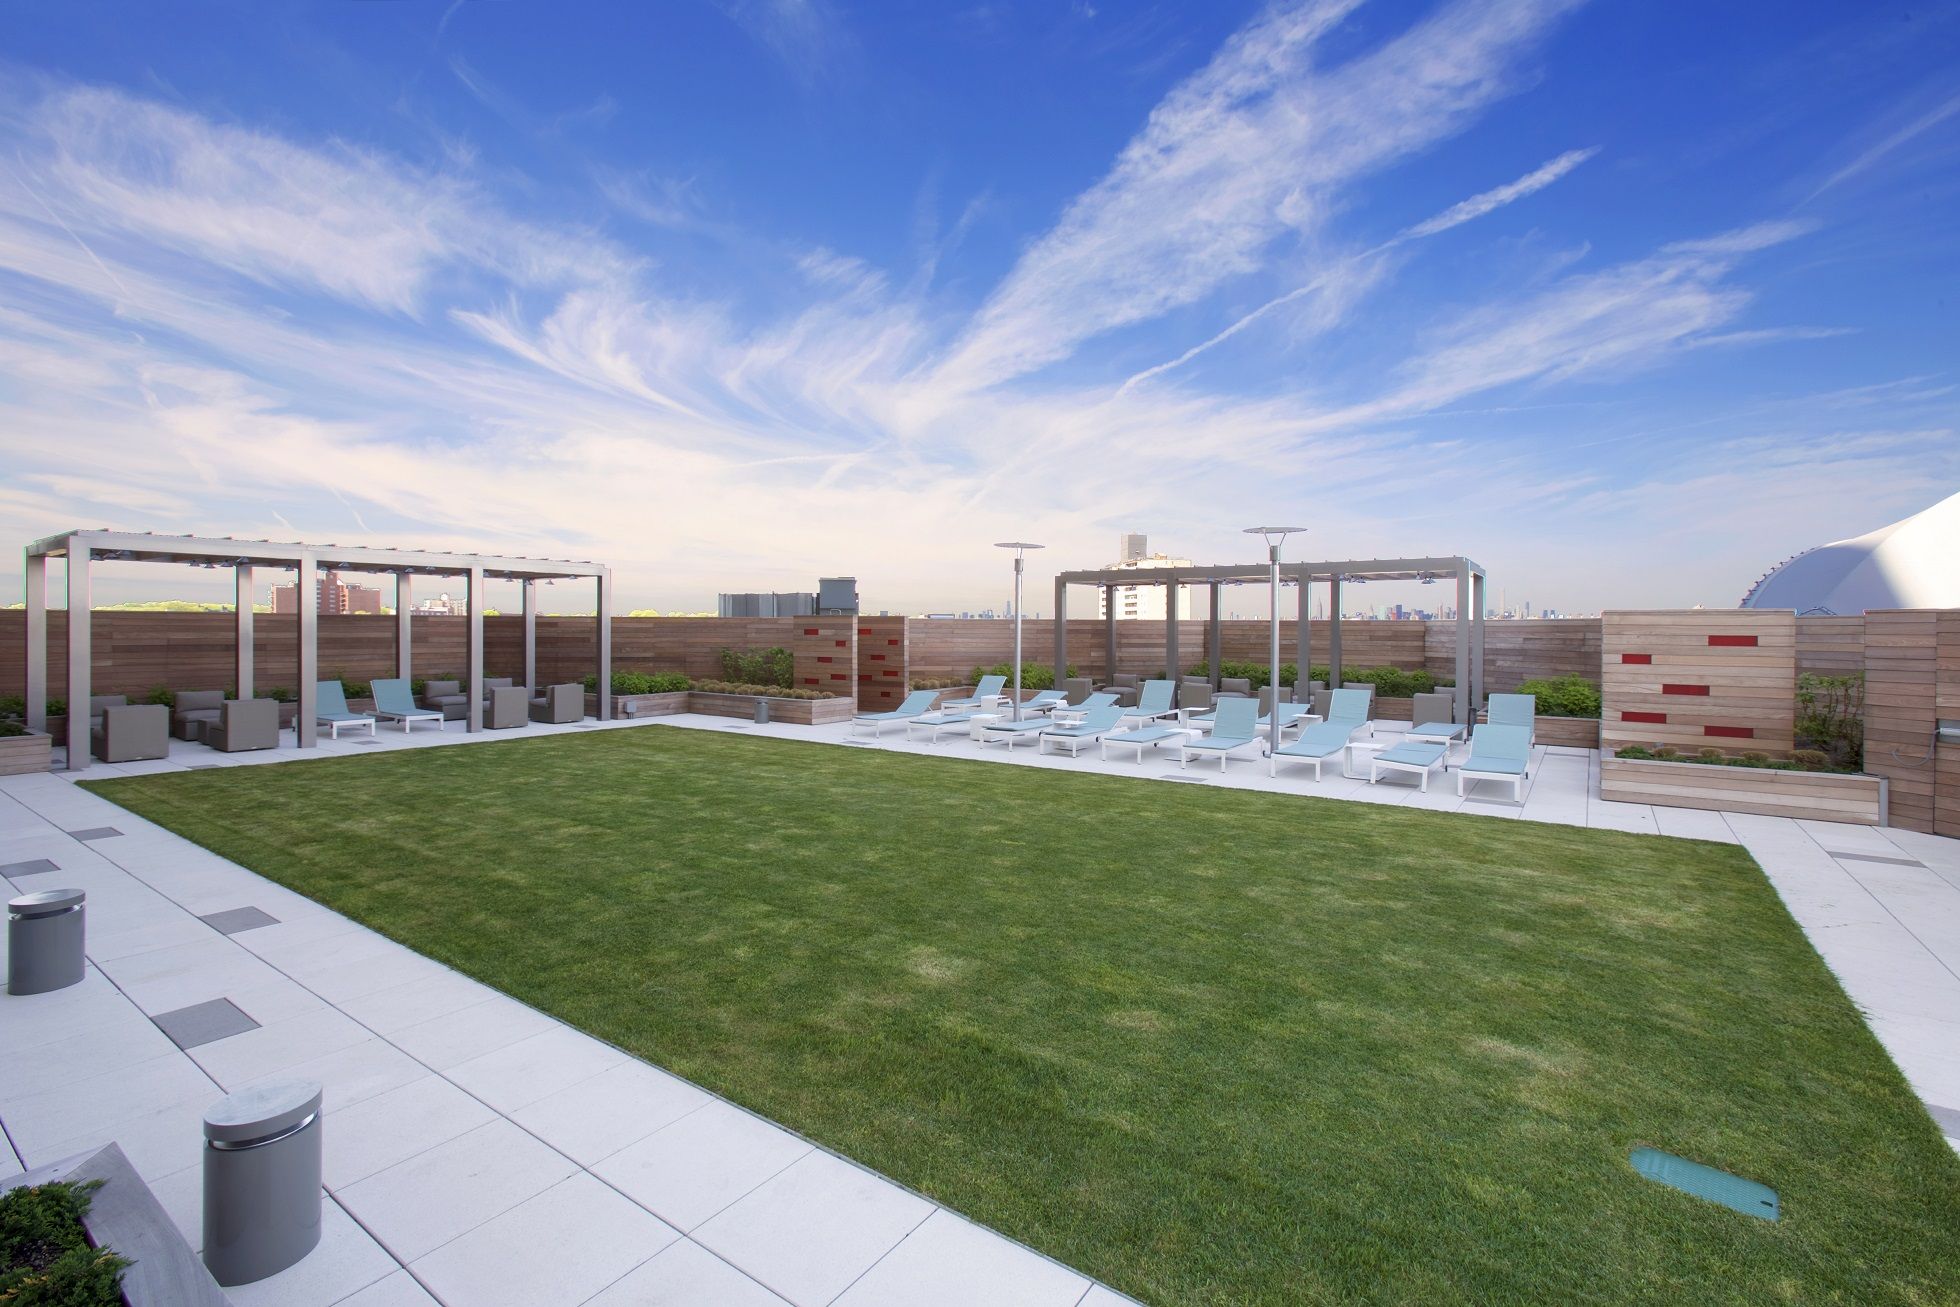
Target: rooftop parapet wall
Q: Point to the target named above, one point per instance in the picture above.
(1699, 678)
(1912, 683)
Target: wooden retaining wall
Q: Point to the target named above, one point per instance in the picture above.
(1912, 682)
(1699, 678)
(1811, 796)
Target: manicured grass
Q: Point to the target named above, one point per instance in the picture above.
(1210, 1046)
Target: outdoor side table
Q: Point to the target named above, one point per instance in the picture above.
(977, 728)
(45, 941)
(261, 1180)
(1354, 747)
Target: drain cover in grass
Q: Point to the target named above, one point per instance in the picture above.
(1745, 1196)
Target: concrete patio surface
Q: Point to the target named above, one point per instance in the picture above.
(480, 1152)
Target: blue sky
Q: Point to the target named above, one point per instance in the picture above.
(1628, 302)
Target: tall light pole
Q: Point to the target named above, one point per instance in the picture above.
(1020, 548)
(1275, 536)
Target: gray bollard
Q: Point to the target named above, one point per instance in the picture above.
(45, 941)
(261, 1180)
(762, 710)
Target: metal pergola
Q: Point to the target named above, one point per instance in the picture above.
(82, 548)
(1469, 578)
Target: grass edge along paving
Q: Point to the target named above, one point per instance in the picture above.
(1208, 1045)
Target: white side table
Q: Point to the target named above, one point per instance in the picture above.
(1354, 747)
(977, 728)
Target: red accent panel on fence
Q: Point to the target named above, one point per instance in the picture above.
(811, 630)
(1671, 687)
(1651, 718)
(1733, 641)
(824, 658)
(1732, 732)
(1636, 658)
(838, 676)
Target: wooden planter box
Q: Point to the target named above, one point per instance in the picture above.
(1567, 732)
(641, 705)
(1817, 796)
(797, 712)
(22, 755)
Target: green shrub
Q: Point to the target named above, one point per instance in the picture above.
(1034, 676)
(278, 693)
(1811, 759)
(1831, 718)
(9, 728)
(642, 683)
(45, 1257)
(57, 707)
(1563, 696)
(768, 667)
(365, 689)
(935, 682)
(12, 707)
(763, 691)
(160, 694)
(1392, 682)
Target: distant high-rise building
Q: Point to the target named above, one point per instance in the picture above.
(1133, 546)
(1141, 602)
(331, 594)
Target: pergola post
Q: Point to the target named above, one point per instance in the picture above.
(306, 727)
(1477, 696)
(530, 635)
(1303, 658)
(241, 576)
(605, 644)
(1214, 637)
(473, 580)
(37, 642)
(1109, 632)
(1465, 705)
(79, 667)
(1061, 630)
(404, 634)
(1334, 632)
(1172, 664)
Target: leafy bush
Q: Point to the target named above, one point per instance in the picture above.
(161, 694)
(10, 728)
(57, 707)
(935, 682)
(45, 1257)
(764, 691)
(365, 689)
(769, 667)
(1563, 696)
(1034, 676)
(1831, 717)
(278, 694)
(12, 707)
(1392, 682)
(642, 683)
(1801, 760)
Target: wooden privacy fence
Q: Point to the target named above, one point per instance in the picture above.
(1699, 678)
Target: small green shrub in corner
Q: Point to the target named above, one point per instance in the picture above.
(1034, 676)
(766, 667)
(161, 694)
(45, 1257)
(1563, 696)
(12, 707)
(278, 694)
(9, 728)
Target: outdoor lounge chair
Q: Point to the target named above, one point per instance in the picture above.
(1143, 737)
(1514, 710)
(1100, 721)
(1010, 732)
(1126, 686)
(1076, 712)
(393, 702)
(1415, 756)
(1291, 715)
(933, 723)
(1435, 721)
(1235, 726)
(1156, 701)
(1497, 753)
(330, 710)
(131, 732)
(193, 708)
(916, 703)
(445, 697)
(507, 707)
(559, 705)
(1044, 701)
(244, 724)
(985, 695)
(1346, 715)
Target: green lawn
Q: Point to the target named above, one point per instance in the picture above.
(1209, 1046)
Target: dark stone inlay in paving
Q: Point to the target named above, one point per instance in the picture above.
(204, 1023)
(233, 920)
(1947, 1117)
(95, 833)
(38, 866)
(1874, 857)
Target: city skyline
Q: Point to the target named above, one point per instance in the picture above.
(734, 296)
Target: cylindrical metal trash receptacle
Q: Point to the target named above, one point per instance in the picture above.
(261, 1180)
(762, 710)
(45, 941)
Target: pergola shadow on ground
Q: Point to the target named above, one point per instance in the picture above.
(1469, 578)
(82, 548)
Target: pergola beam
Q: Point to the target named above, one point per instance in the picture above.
(242, 673)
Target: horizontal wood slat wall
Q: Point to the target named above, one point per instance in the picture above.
(1903, 686)
(1830, 646)
(1696, 678)
(882, 670)
(1518, 650)
(824, 651)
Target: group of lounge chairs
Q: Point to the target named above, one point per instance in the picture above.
(1499, 747)
(505, 705)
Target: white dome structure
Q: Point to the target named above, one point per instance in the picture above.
(1914, 563)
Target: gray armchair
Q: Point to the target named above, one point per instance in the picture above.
(1194, 693)
(1126, 687)
(447, 698)
(559, 704)
(244, 724)
(492, 684)
(193, 709)
(509, 706)
(131, 733)
(1438, 707)
(99, 703)
(1230, 686)
(1078, 688)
